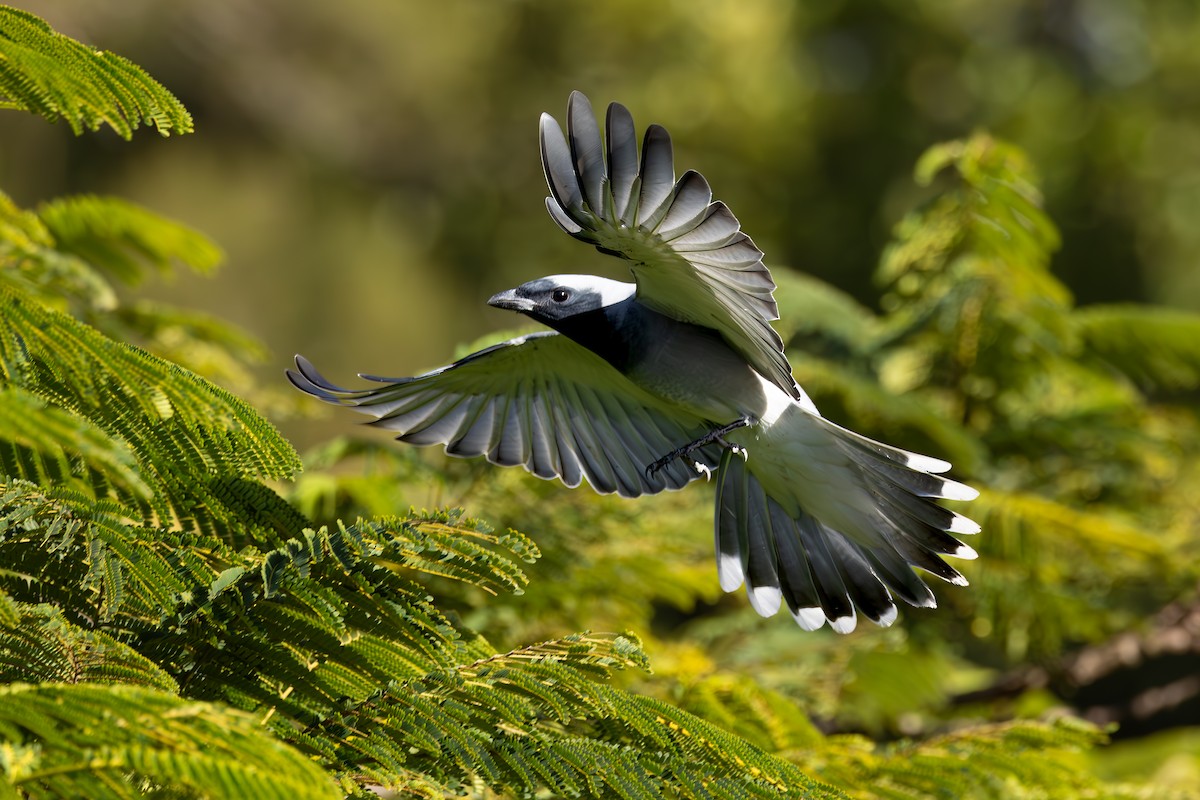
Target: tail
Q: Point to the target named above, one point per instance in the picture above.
(825, 574)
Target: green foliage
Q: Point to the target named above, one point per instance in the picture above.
(1156, 348)
(171, 625)
(56, 77)
(1015, 760)
(123, 238)
(105, 741)
(980, 355)
(1081, 459)
(42, 647)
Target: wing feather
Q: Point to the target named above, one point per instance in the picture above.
(539, 401)
(622, 162)
(689, 257)
(657, 176)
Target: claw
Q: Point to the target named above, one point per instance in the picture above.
(716, 435)
(703, 469)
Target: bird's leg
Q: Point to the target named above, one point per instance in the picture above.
(715, 435)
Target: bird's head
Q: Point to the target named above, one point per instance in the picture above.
(557, 297)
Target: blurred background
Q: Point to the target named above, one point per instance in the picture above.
(371, 167)
(371, 170)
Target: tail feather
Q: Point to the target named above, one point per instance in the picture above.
(931, 514)
(746, 541)
(818, 572)
(795, 573)
(823, 574)
(831, 588)
(762, 571)
(894, 570)
(923, 534)
(870, 595)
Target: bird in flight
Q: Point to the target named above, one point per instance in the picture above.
(646, 386)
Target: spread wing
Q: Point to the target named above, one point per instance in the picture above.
(538, 401)
(690, 259)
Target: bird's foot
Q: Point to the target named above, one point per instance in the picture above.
(715, 435)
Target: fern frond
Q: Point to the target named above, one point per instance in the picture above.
(1157, 348)
(972, 267)
(85, 553)
(28, 422)
(95, 741)
(171, 418)
(55, 76)
(1059, 526)
(319, 621)
(10, 610)
(541, 717)
(33, 267)
(46, 648)
(743, 707)
(449, 545)
(1017, 759)
(123, 238)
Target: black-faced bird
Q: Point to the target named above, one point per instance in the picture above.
(646, 386)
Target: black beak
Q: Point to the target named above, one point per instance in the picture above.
(508, 299)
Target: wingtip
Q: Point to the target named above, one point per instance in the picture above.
(578, 100)
(928, 463)
(963, 525)
(306, 378)
(966, 553)
(953, 490)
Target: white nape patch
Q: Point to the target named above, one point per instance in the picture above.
(611, 292)
(953, 490)
(809, 619)
(729, 572)
(765, 599)
(888, 617)
(844, 624)
(965, 553)
(960, 524)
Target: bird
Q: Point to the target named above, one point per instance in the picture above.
(645, 386)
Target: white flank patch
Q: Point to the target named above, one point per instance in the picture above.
(778, 401)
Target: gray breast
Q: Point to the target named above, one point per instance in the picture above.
(691, 366)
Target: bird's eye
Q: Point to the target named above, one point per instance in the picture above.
(560, 295)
